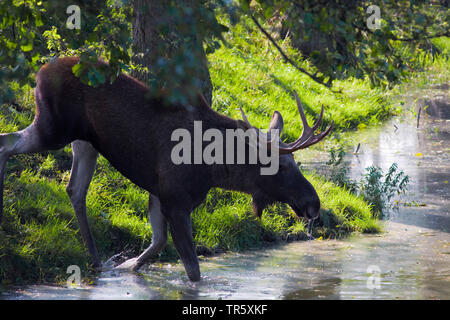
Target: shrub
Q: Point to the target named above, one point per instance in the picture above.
(375, 187)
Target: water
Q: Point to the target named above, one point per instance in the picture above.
(409, 261)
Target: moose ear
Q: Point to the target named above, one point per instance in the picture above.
(277, 122)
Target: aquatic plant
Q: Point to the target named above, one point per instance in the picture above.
(378, 189)
(375, 187)
(338, 170)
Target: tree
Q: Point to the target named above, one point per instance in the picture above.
(166, 55)
(339, 39)
(161, 42)
(34, 32)
(167, 39)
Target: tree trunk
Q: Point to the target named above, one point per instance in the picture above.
(160, 32)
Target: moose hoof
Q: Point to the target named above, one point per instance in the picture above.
(130, 264)
(193, 273)
(194, 276)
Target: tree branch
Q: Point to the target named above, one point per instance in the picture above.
(287, 59)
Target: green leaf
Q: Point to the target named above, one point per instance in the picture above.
(100, 76)
(27, 47)
(35, 57)
(10, 44)
(77, 69)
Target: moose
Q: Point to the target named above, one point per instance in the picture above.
(132, 130)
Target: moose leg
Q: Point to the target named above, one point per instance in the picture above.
(83, 167)
(181, 231)
(25, 141)
(159, 237)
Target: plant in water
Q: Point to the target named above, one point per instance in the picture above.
(376, 188)
(339, 170)
(378, 191)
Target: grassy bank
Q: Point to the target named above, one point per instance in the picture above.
(249, 72)
(39, 236)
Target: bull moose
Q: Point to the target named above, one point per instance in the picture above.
(133, 132)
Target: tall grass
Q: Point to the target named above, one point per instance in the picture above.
(251, 73)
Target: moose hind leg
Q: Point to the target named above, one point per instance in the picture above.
(24, 141)
(83, 167)
(159, 237)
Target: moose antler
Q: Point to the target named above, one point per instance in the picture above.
(307, 138)
(244, 117)
(262, 137)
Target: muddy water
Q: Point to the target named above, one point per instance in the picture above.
(411, 260)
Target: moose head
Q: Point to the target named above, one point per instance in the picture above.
(288, 185)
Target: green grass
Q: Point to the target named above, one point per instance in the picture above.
(251, 73)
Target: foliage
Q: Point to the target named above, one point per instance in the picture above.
(432, 67)
(34, 31)
(342, 211)
(375, 187)
(335, 36)
(168, 46)
(378, 190)
(339, 171)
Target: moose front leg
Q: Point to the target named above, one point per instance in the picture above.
(159, 237)
(181, 230)
(83, 167)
